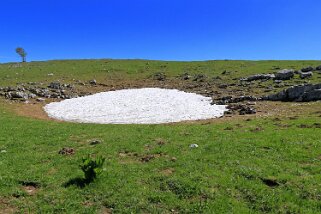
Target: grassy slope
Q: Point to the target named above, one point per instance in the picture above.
(224, 174)
(135, 69)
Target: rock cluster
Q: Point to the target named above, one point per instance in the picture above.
(298, 93)
(199, 78)
(160, 76)
(242, 109)
(285, 74)
(307, 69)
(39, 92)
(258, 77)
(230, 99)
(304, 75)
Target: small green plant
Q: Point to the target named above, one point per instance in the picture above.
(92, 167)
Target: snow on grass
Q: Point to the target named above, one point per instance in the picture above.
(136, 106)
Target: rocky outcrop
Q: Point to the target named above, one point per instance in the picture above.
(230, 99)
(298, 93)
(304, 75)
(241, 109)
(307, 69)
(284, 74)
(36, 91)
(318, 68)
(55, 85)
(258, 77)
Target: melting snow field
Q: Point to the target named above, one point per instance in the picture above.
(136, 106)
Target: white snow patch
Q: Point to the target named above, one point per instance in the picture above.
(136, 106)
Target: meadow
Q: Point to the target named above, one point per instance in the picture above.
(263, 163)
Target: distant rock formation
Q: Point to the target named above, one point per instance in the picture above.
(298, 93)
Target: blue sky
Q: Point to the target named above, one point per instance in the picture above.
(161, 29)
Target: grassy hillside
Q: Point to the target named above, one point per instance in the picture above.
(244, 164)
(136, 69)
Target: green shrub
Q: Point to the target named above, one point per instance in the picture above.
(92, 167)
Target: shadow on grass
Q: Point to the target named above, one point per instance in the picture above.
(79, 182)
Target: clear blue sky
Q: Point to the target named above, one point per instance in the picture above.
(161, 29)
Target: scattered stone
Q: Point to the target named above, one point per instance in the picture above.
(298, 93)
(160, 76)
(40, 99)
(55, 85)
(284, 74)
(66, 151)
(278, 81)
(17, 95)
(307, 69)
(33, 90)
(304, 75)
(242, 109)
(147, 158)
(230, 99)
(225, 72)
(185, 76)
(193, 146)
(217, 78)
(3, 151)
(199, 78)
(222, 86)
(258, 77)
(51, 74)
(93, 82)
(95, 142)
(173, 159)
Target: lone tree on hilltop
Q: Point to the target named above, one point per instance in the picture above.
(22, 53)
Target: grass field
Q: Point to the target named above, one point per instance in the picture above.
(248, 164)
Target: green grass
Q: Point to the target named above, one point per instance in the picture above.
(225, 174)
(136, 69)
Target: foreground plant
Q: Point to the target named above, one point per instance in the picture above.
(92, 167)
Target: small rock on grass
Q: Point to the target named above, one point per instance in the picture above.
(66, 151)
(307, 69)
(93, 82)
(95, 142)
(41, 99)
(193, 146)
(304, 75)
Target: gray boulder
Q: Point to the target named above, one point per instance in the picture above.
(55, 85)
(304, 75)
(259, 77)
(93, 82)
(284, 74)
(299, 93)
(160, 76)
(307, 69)
(17, 95)
(318, 68)
(199, 78)
(185, 76)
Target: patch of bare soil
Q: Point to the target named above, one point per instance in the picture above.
(167, 172)
(105, 210)
(30, 187)
(6, 207)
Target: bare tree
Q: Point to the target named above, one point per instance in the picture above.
(22, 53)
